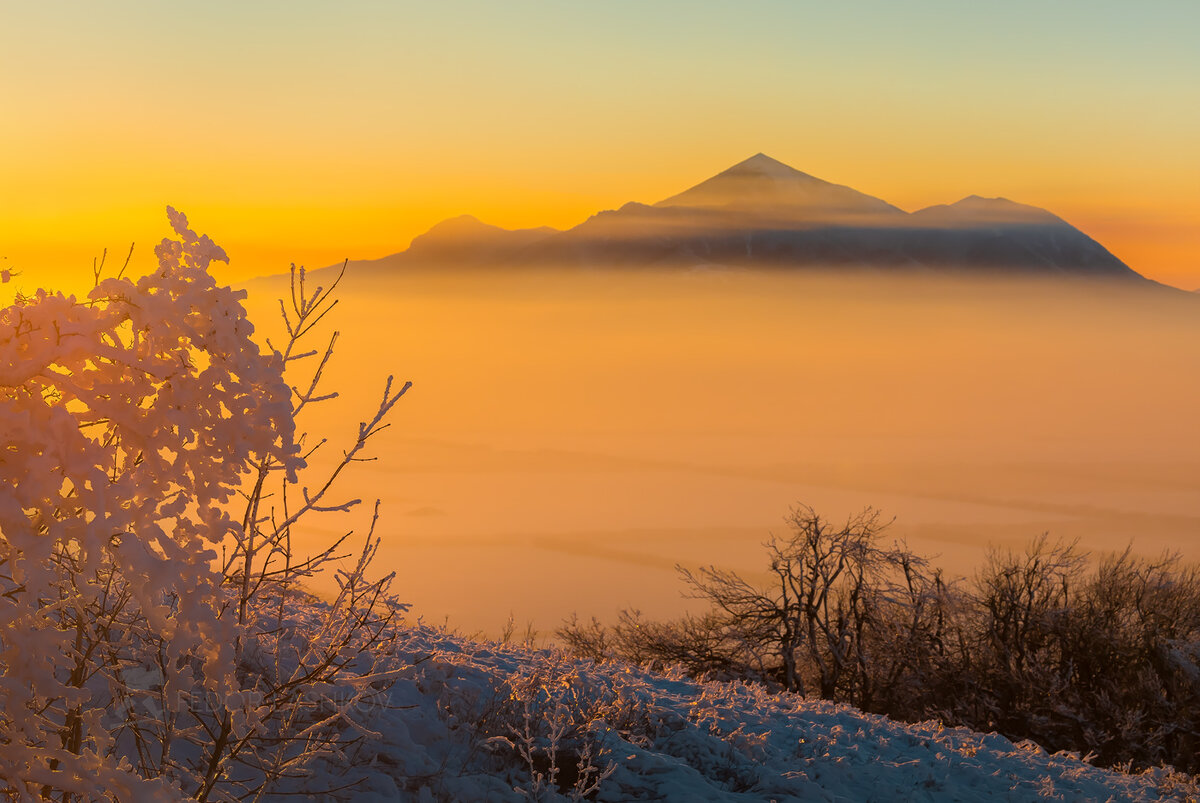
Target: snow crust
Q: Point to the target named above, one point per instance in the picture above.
(665, 737)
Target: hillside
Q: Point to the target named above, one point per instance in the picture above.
(455, 724)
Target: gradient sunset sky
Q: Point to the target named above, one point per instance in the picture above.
(307, 132)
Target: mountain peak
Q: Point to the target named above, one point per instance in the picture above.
(976, 209)
(980, 200)
(765, 165)
(468, 238)
(460, 224)
(761, 184)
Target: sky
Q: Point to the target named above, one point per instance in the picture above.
(308, 132)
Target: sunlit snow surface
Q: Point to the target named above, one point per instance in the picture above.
(691, 741)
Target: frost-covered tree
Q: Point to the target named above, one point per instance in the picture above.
(135, 662)
(832, 596)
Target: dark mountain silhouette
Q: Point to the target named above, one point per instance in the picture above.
(466, 238)
(763, 213)
(765, 188)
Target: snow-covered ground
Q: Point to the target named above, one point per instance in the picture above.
(475, 721)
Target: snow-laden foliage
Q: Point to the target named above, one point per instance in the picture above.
(126, 421)
(143, 650)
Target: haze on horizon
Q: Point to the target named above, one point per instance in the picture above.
(306, 133)
(571, 435)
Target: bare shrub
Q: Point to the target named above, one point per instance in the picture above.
(1102, 658)
(1104, 662)
(828, 614)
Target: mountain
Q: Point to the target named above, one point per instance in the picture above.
(761, 213)
(998, 234)
(768, 189)
(467, 239)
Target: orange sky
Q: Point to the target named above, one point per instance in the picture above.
(309, 132)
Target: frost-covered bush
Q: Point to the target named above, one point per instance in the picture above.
(841, 615)
(1098, 658)
(549, 722)
(147, 649)
(1103, 660)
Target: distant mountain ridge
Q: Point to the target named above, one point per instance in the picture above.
(464, 236)
(763, 213)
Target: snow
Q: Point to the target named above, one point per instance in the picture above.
(670, 738)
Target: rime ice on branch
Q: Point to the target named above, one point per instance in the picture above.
(128, 422)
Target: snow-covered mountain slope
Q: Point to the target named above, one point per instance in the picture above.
(479, 722)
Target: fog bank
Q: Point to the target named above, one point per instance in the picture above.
(571, 436)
